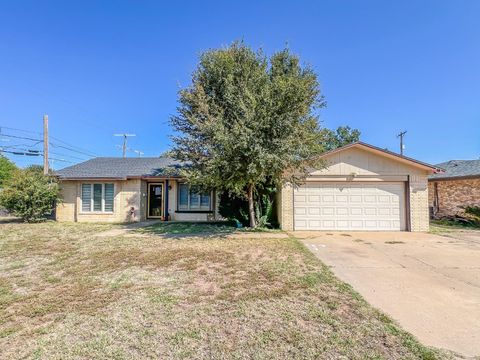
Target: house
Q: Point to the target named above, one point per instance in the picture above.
(457, 187)
(108, 189)
(361, 187)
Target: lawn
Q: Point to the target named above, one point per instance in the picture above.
(446, 226)
(69, 292)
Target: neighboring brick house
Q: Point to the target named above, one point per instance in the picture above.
(451, 191)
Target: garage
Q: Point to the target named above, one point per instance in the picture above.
(350, 206)
(358, 187)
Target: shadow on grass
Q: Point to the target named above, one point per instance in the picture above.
(10, 220)
(186, 229)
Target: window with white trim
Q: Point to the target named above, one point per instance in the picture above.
(190, 199)
(97, 197)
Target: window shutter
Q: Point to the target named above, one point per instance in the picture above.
(109, 195)
(86, 197)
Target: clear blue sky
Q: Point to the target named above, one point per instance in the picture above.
(103, 67)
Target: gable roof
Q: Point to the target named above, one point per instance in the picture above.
(121, 168)
(386, 153)
(455, 169)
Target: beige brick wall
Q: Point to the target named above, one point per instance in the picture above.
(127, 195)
(419, 213)
(285, 208)
(66, 209)
(453, 195)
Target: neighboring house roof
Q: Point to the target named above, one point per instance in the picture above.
(386, 153)
(121, 168)
(455, 169)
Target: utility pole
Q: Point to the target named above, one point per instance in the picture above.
(401, 135)
(45, 144)
(124, 147)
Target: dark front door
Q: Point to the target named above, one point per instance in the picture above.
(155, 200)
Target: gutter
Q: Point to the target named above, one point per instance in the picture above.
(449, 178)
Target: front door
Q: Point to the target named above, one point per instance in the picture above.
(155, 200)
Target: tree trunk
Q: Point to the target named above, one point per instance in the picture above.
(251, 207)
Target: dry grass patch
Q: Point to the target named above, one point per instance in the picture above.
(67, 293)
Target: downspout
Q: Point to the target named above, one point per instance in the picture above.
(166, 201)
(436, 200)
(407, 198)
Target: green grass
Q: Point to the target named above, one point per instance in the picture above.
(187, 228)
(439, 226)
(67, 293)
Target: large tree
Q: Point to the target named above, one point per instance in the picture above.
(344, 135)
(247, 119)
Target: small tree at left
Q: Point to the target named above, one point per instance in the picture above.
(30, 195)
(7, 169)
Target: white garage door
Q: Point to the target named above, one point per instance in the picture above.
(349, 206)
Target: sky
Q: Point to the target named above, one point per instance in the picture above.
(98, 68)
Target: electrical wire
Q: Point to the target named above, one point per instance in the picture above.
(54, 145)
(33, 154)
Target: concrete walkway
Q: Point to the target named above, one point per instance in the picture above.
(429, 283)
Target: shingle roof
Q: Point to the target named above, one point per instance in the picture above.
(121, 168)
(458, 169)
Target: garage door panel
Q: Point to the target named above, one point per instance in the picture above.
(356, 211)
(328, 211)
(344, 206)
(300, 210)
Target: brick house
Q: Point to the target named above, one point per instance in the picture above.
(360, 187)
(459, 186)
(107, 189)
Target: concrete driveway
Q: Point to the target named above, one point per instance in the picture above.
(429, 283)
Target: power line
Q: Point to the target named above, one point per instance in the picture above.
(25, 131)
(32, 154)
(73, 146)
(41, 141)
(68, 146)
(38, 151)
(20, 137)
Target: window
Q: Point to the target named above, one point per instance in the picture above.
(97, 197)
(191, 199)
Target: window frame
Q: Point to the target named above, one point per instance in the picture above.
(197, 209)
(92, 199)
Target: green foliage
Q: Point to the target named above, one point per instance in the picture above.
(30, 195)
(233, 207)
(265, 211)
(344, 135)
(6, 169)
(246, 119)
(473, 210)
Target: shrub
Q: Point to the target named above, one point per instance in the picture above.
(236, 208)
(7, 168)
(473, 210)
(30, 195)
